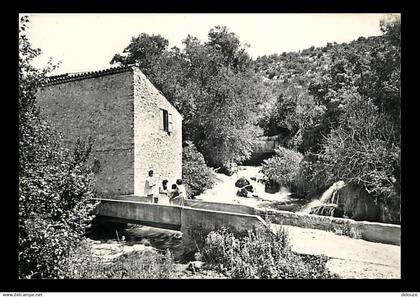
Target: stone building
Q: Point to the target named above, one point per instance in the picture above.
(135, 128)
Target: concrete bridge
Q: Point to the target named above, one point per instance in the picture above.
(203, 216)
(207, 216)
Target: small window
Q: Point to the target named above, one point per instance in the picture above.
(164, 120)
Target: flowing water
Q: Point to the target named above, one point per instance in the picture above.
(329, 196)
(111, 239)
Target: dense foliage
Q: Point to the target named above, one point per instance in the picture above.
(195, 173)
(326, 77)
(362, 150)
(55, 183)
(212, 84)
(261, 254)
(340, 106)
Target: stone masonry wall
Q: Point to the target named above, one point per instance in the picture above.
(101, 107)
(154, 148)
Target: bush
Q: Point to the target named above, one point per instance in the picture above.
(284, 168)
(195, 173)
(55, 208)
(261, 254)
(150, 264)
(55, 184)
(363, 150)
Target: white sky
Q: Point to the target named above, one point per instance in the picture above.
(85, 42)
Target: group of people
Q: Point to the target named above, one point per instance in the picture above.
(174, 195)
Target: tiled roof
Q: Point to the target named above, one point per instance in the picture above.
(62, 78)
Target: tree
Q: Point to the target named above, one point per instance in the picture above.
(143, 50)
(213, 86)
(229, 46)
(55, 184)
(369, 68)
(293, 116)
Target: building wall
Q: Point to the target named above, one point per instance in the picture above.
(102, 107)
(154, 148)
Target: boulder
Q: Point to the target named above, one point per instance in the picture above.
(249, 188)
(242, 182)
(229, 169)
(358, 204)
(242, 192)
(271, 187)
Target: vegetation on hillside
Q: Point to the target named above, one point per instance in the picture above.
(340, 106)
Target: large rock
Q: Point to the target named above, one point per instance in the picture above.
(356, 203)
(242, 182)
(242, 193)
(229, 169)
(271, 187)
(249, 188)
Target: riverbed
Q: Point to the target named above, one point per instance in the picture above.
(349, 258)
(224, 191)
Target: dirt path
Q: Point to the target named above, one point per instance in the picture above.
(350, 258)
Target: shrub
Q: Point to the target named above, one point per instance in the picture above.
(55, 208)
(261, 254)
(150, 264)
(195, 173)
(284, 168)
(55, 183)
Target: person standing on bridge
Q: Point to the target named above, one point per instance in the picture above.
(164, 192)
(173, 194)
(182, 193)
(150, 186)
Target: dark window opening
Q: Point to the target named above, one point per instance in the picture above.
(166, 120)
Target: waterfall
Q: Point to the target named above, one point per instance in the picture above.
(332, 191)
(328, 197)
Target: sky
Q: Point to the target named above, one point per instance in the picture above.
(87, 42)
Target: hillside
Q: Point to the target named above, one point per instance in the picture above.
(302, 66)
